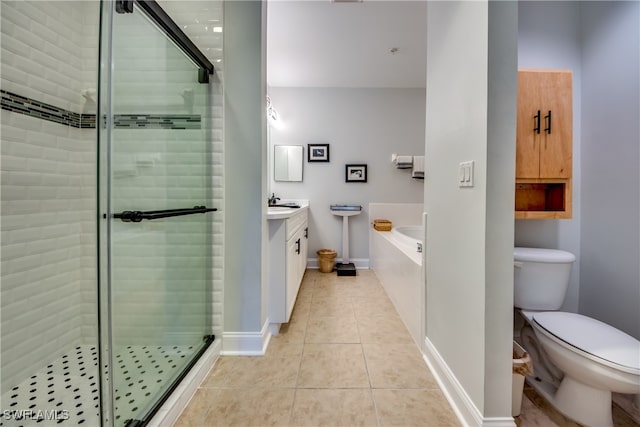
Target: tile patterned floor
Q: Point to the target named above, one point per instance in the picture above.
(66, 390)
(537, 412)
(345, 359)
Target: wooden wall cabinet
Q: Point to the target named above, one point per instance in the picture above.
(544, 144)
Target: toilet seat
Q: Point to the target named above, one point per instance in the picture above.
(597, 340)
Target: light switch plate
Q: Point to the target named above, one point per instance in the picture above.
(465, 174)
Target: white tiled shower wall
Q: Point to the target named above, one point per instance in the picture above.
(198, 19)
(49, 53)
(157, 169)
(49, 50)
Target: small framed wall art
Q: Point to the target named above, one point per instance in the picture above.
(356, 173)
(317, 152)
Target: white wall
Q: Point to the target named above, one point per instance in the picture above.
(549, 37)
(610, 245)
(470, 115)
(502, 107)
(361, 126)
(245, 162)
(456, 131)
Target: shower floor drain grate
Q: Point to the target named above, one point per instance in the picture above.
(66, 392)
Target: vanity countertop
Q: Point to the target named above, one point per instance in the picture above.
(284, 212)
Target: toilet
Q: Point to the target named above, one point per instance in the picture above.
(579, 361)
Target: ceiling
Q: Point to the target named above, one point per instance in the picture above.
(320, 43)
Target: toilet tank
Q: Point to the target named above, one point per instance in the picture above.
(541, 278)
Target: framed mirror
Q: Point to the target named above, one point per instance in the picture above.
(287, 162)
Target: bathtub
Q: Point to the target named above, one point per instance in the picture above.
(412, 236)
(396, 258)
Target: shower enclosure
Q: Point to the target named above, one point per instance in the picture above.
(110, 224)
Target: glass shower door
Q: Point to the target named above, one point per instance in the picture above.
(160, 214)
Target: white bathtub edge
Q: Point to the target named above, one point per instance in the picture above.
(400, 276)
(409, 250)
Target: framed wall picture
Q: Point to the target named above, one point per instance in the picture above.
(356, 173)
(317, 152)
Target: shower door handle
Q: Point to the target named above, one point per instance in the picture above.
(138, 216)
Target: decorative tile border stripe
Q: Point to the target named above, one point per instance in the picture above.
(40, 110)
(157, 121)
(88, 121)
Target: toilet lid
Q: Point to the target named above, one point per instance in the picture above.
(550, 256)
(592, 336)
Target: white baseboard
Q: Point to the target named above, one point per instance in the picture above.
(498, 422)
(463, 406)
(360, 263)
(246, 343)
(180, 398)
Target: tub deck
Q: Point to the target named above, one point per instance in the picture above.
(398, 265)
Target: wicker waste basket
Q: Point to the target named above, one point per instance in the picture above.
(326, 260)
(522, 366)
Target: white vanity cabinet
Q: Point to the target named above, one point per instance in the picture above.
(288, 242)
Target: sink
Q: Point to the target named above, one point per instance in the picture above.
(279, 208)
(285, 206)
(345, 210)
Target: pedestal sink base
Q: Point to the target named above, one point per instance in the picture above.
(348, 269)
(345, 268)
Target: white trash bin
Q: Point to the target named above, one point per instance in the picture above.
(522, 367)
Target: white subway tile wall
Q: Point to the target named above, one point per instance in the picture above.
(49, 53)
(48, 186)
(89, 55)
(217, 194)
(198, 19)
(42, 50)
(163, 169)
(203, 23)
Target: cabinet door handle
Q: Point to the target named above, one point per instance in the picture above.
(536, 127)
(548, 120)
(298, 246)
(306, 232)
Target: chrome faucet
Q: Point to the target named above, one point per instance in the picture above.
(273, 200)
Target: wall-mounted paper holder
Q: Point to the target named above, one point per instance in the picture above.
(402, 162)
